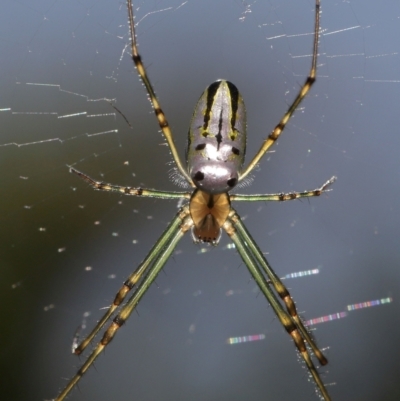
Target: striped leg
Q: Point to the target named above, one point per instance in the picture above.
(162, 121)
(276, 283)
(169, 241)
(133, 279)
(150, 193)
(285, 197)
(274, 135)
(253, 259)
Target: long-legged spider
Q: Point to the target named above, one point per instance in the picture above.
(214, 156)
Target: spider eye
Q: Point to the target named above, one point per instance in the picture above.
(199, 176)
(232, 182)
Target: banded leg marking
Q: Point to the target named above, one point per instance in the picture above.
(133, 279)
(276, 282)
(162, 121)
(128, 308)
(251, 260)
(284, 197)
(274, 135)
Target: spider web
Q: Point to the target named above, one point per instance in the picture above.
(66, 249)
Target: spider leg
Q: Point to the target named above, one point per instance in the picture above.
(285, 197)
(149, 193)
(253, 259)
(276, 282)
(169, 241)
(162, 121)
(133, 279)
(274, 135)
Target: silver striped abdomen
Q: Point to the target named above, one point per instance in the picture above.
(217, 138)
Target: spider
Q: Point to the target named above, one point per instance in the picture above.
(214, 156)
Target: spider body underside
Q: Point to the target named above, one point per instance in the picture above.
(214, 156)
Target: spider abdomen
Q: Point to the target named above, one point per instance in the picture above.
(217, 138)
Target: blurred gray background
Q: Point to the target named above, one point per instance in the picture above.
(175, 347)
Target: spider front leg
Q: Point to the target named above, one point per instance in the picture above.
(162, 120)
(276, 132)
